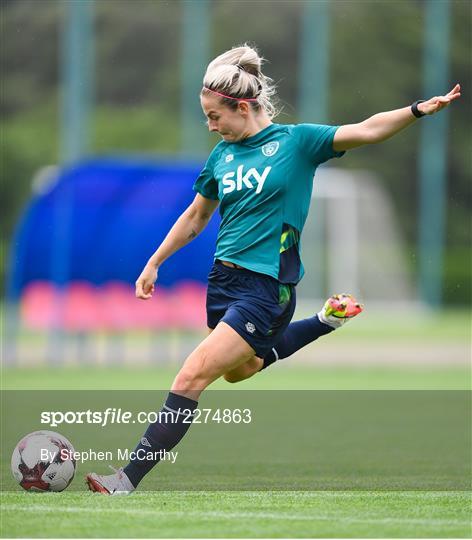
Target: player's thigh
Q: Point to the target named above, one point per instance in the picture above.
(223, 350)
(245, 370)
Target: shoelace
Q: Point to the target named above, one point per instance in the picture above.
(119, 472)
(116, 471)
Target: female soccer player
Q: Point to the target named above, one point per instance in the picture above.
(261, 176)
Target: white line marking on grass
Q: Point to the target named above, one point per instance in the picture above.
(278, 493)
(233, 515)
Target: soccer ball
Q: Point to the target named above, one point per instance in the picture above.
(42, 461)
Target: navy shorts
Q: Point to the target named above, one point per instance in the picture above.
(256, 306)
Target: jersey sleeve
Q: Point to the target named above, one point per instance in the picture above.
(206, 183)
(316, 140)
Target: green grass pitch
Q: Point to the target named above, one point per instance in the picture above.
(239, 514)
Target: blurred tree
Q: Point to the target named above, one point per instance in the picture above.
(138, 52)
(29, 54)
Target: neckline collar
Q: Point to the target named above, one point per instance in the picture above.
(258, 135)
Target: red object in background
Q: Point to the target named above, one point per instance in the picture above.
(115, 299)
(38, 305)
(155, 312)
(188, 305)
(82, 307)
(80, 310)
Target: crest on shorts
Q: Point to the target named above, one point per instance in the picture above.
(270, 148)
(250, 327)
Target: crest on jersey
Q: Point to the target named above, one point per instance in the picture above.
(229, 158)
(270, 148)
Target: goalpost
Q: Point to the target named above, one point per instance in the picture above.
(352, 242)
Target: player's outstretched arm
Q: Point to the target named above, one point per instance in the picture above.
(189, 225)
(384, 125)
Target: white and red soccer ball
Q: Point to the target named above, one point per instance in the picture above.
(42, 461)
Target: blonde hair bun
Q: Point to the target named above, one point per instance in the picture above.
(237, 74)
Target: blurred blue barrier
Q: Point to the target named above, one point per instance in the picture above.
(102, 219)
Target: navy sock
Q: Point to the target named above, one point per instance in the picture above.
(297, 335)
(172, 424)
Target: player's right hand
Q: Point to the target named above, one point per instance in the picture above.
(145, 282)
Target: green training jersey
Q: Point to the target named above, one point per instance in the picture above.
(264, 185)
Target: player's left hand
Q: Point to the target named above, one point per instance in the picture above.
(437, 103)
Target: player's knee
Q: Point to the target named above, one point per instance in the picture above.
(196, 373)
(188, 380)
(232, 378)
(250, 368)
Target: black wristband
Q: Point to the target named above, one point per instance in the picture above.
(415, 110)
